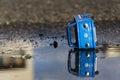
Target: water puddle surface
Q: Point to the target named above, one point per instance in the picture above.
(51, 63)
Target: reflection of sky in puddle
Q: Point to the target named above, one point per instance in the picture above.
(51, 64)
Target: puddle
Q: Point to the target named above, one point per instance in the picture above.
(46, 53)
(51, 63)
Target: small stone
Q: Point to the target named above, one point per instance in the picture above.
(55, 44)
(36, 42)
(28, 56)
(117, 44)
(40, 35)
(24, 40)
(55, 37)
(63, 36)
(51, 44)
(31, 40)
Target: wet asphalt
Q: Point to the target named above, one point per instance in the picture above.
(39, 28)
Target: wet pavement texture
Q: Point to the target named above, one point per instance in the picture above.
(34, 42)
(46, 51)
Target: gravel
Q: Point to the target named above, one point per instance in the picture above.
(44, 11)
(25, 23)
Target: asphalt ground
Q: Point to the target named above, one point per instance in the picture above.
(44, 11)
(29, 22)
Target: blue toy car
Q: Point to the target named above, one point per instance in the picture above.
(85, 33)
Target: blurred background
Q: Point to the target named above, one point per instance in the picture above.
(43, 11)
